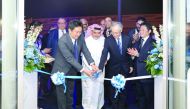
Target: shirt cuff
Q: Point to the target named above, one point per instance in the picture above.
(42, 52)
(93, 63)
(137, 55)
(82, 69)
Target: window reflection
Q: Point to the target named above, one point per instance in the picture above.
(187, 46)
(0, 59)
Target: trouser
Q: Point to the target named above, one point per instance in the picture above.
(145, 94)
(65, 100)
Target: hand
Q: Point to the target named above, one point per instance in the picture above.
(130, 51)
(48, 56)
(47, 50)
(88, 72)
(106, 63)
(131, 70)
(94, 68)
(133, 52)
(135, 38)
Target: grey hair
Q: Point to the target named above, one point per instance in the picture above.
(61, 18)
(83, 19)
(118, 24)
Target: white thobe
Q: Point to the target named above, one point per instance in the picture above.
(93, 89)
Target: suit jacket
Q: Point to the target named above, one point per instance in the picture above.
(64, 59)
(52, 42)
(44, 41)
(117, 63)
(143, 54)
(105, 34)
(53, 38)
(131, 32)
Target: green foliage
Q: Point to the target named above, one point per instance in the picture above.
(154, 62)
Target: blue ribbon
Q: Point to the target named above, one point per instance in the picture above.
(43, 72)
(118, 81)
(59, 78)
(70, 77)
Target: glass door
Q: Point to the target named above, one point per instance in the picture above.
(9, 64)
(188, 52)
(11, 34)
(178, 62)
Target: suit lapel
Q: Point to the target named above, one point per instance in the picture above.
(124, 42)
(57, 35)
(78, 44)
(69, 42)
(147, 43)
(115, 46)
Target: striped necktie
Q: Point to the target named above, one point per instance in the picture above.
(141, 44)
(119, 45)
(76, 50)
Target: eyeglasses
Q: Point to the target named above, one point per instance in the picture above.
(61, 23)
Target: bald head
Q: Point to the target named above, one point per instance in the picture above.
(84, 23)
(108, 19)
(61, 23)
(83, 20)
(102, 23)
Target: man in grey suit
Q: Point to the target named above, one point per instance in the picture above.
(69, 49)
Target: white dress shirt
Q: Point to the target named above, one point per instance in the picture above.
(120, 39)
(73, 40)
(61, 32)
(145, 39)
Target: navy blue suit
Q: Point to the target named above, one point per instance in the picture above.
(131, 32)
(118, 64)
(145, 88)
(143, 54)
(53, 41)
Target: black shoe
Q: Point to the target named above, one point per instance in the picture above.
(79, 107)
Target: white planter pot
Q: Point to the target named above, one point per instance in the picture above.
(159, 93)
(30, 90)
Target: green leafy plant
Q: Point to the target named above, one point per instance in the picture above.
(33, 58)
(154, 62)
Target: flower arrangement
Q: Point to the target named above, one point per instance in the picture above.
(118, 82)
(154, 62)
(33, 59)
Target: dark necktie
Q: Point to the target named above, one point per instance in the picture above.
(75, 50)
(119, 45)
(108, 32)
(141, 45)
(63, 31)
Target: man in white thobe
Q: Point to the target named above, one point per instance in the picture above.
(93, 88)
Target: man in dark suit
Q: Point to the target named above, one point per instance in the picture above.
(119, 63)
(69, 49)
(84, 26)
(134, 32)
(107, 33)
(55, 35)
(145, 87)
(107, 30)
